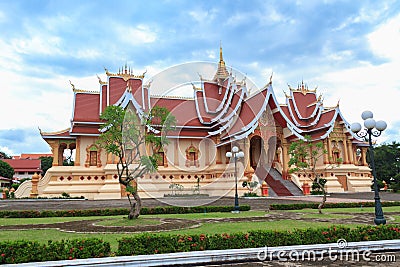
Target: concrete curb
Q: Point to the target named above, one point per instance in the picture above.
(230, 255)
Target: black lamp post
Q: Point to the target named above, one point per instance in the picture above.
(235, 154)
(372, 128)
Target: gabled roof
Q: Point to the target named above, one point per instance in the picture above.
(24, 165)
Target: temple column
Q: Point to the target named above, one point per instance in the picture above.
(346, 153)
(78, 152)
(218, 151)
(249, 171)
(326, 156)
(285, 159)
(351, 152)
(54, 150)
(207, 152)
(329, 151)
(176, 152)
(364, 156)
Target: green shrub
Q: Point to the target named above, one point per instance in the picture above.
(31, 251)
(145, 244)
(299, 206)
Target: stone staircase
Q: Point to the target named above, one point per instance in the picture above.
(277, 185)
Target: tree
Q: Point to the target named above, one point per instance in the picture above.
(125, 135)
(387, 163)
(304, 157)
(45, 163)
(6, 170)
(3, 155)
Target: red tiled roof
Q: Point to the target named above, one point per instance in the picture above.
(35, 156)
(85, 129)
(213, 95)
(87, 107)
(24, 164)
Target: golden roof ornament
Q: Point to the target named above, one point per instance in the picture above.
(100, 81)
(221, 73)
(125, 73)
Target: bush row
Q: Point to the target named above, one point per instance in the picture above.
(33, 251)
(298, 206)
(117, 211)
(145, 244)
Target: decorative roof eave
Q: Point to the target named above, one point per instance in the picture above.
(257, 117)
(56, 134)
(227, 103)
(298, 112)
(314, 122)
(221, 129)
(235, 110)
(196, 101)
(220, 106)
(347, 125)
(247, 133)
(75, 90)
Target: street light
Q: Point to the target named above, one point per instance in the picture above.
(372, 128)
(236, 154)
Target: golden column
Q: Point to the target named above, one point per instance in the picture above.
(346, 152)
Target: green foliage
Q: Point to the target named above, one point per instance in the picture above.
(145, 244)
(12, 252)
(4, 155)
(299, 206)
(6, 170)
(112, 212)
(387, 162)
(65, 195)
(46, 163)
(316, 188)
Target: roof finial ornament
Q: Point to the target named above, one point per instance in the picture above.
(270, 78)
(144, 73)
(220, 52)
(201, 77)
(100, 81)
(72, 85)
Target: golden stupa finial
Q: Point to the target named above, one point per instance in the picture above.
(220, 52)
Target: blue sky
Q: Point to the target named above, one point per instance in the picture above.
(349, 49)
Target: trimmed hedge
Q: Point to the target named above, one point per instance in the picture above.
(145, 244)
(299, 206)
(111, 212)
(33, 251)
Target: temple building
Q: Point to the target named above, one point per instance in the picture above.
(220, 114)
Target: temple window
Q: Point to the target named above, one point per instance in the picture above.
(192, 156)
(93, 156)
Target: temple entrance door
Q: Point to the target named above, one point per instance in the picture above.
(255, 151)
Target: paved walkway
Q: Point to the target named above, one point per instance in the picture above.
(256, 204)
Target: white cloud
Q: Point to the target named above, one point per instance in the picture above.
(385, 41)
(7, 150)
(141, 34)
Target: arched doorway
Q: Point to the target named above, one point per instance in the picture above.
(256, 145)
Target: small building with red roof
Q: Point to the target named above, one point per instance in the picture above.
(24, 168)
(222, 113)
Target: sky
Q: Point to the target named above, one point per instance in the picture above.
(350, 50)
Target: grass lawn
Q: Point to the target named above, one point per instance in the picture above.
(44, 235)
(349, 210)
(209, 228)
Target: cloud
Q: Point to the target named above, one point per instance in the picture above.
(17, 141)
(138, 35)
(385, 41)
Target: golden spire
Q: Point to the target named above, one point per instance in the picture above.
(221, 73)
